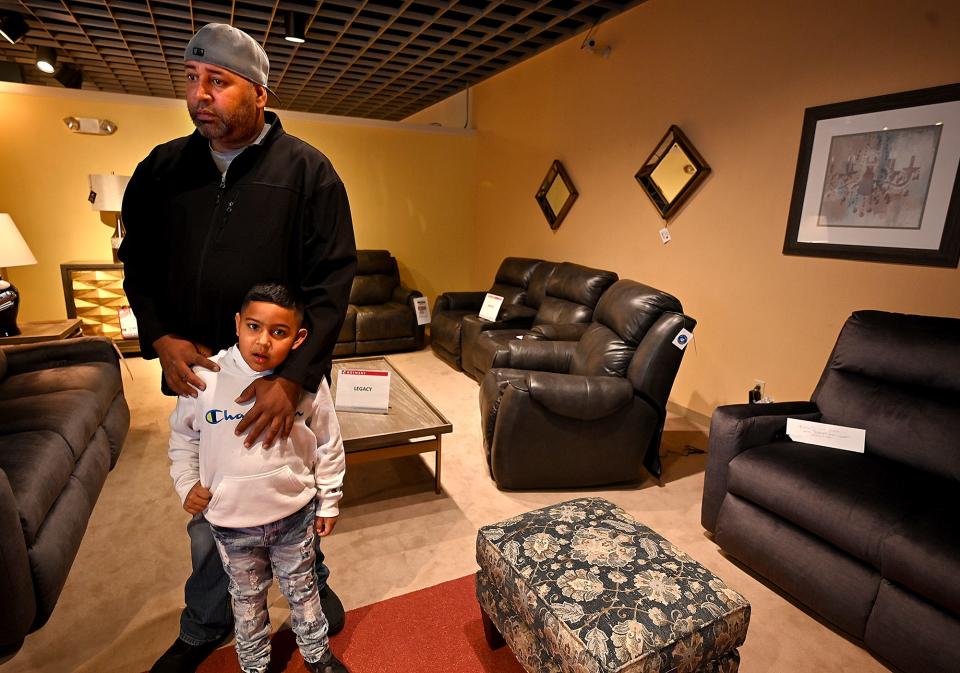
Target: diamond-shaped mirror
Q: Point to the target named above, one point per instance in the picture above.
(672, 172)
(556, 195)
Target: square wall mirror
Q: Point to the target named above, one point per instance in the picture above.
(556, 195)
(672, 172)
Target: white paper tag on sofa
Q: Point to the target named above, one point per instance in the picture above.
(683, 338)
(422, 308)
(491, 307)
(363, 390)
(824, 434)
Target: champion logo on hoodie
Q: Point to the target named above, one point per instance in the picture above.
(214, 416)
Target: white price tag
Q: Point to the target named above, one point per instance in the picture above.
(363, 390)
(665, 235)
(824, 434)
(128, 323)
(682, 339)
(422, 308)
(491, 307)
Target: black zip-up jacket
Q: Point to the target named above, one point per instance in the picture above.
(197, 243)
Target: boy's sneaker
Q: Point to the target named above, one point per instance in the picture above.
(327, 664)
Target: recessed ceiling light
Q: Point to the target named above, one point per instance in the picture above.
(12, 26)
(295, 31)
(47, 59)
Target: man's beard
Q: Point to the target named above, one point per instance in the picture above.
(243, 118)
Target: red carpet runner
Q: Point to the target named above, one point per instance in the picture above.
(434, 630)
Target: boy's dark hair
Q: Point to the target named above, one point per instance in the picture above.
(277, 293)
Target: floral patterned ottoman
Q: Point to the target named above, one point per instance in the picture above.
(582, 587)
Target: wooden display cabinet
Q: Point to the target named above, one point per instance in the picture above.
(93, 292)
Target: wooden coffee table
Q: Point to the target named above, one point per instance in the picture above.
(411, 426)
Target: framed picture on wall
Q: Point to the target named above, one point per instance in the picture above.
(877, 180)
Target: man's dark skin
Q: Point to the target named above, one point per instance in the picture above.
(227, 109)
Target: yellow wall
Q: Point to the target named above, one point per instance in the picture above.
(736, 77)
(411, 190)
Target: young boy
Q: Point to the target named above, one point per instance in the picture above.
(264, 504)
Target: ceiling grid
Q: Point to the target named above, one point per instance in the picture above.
(380, 59)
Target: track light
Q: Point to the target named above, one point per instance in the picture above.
(47, 59)
(69, 76)
(295, 24)
(12, 26)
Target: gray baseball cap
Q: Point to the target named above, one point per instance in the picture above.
(228, 47)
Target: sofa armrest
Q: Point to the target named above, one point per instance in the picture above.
(16, 580)
(656, 362)
(48, 354)
(544, 356)
(560, 332)
(515, 314)
(734, 429)
(459, 301)
(584, 398)
(404, 295)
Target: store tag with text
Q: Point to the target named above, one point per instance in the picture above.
(491, 307)
(363, 390)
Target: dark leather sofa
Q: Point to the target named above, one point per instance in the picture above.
(871, 541)
(564, 307)
(380, 316)
(572, 414)
(63, 421)
(511, 282)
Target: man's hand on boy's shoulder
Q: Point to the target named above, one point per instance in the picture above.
(177, 357)
(197, 499)
(324, 525)
(273, 411)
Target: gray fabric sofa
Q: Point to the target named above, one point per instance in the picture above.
(380, 316)
(869, 541)
(63, 421)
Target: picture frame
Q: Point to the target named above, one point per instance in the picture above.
(672, 172)
(556, 194)
(877, 180)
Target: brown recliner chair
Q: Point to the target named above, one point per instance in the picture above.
(380, 317)
(564, 312)
(562, 414)
(511, 282)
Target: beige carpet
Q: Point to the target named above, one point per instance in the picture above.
(120, 607)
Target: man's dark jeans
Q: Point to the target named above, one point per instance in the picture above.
(207, 616)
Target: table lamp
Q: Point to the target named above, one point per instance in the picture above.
(106, 195)
(13, 252)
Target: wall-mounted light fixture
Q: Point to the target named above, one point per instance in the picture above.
(47, 59)
(69, 76)
(98, 127)
(295, 27)
(12, 26)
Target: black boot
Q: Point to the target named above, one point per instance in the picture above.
(182, 657)
(327, 664)
(332, 609)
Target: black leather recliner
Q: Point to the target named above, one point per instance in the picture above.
(563, 414)
(563, 312)
(380, 316)
(870, 541)
(511, 282)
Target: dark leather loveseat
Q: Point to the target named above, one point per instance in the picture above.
(870, 541)
(63, 420)
(380, 317)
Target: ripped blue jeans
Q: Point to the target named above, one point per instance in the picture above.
(251, 557)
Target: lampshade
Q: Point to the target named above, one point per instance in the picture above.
(13, 249)
(106, 191)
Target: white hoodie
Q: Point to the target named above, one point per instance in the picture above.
(255, 486)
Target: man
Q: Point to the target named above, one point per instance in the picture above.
(208, 216)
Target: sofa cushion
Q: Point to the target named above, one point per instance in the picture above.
(851, 500)
(375, 262)
(99, 378)
(572, 293)
(537, 288)
(386, 321)
(924, 556)
(38, 466)
(348, 332)
(372, 289)
(898, 377)
(73, 414)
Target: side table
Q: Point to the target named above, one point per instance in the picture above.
(93, 292)
(44, 330)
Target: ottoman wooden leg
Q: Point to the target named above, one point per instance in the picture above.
(490, 632)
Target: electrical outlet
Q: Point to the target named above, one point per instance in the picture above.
(763, 387)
